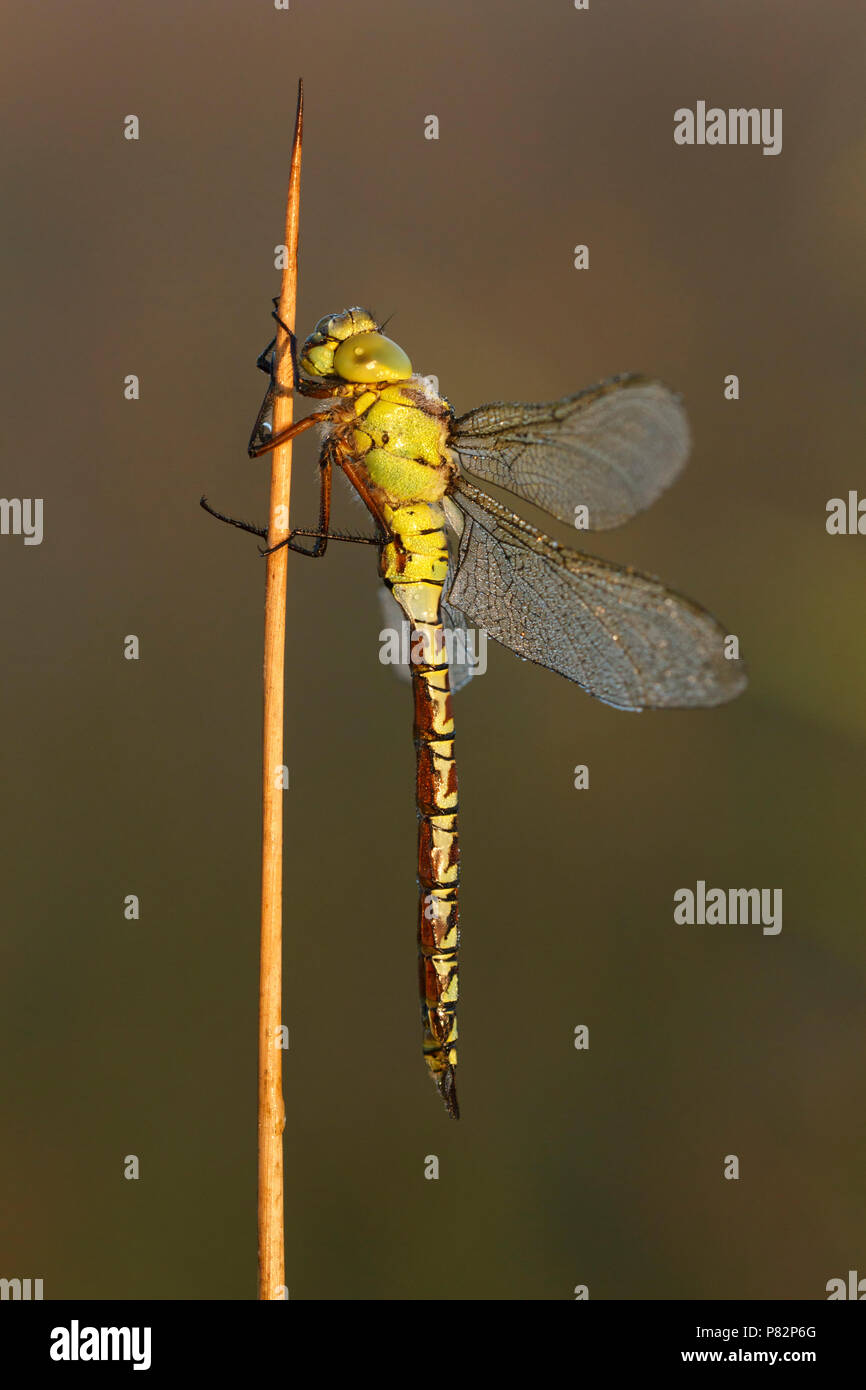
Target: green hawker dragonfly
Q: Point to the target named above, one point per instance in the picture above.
(451, 555)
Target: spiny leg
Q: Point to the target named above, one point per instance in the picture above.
(265, 359)
(233, 521)
(266, 362)
(325, 536)
(323, 532)
(255, 451)
(321, 543)
(289, 541)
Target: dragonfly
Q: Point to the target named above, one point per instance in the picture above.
(453, 556)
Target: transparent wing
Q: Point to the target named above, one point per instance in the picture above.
(621, 635)
(612, 448)
(394, 621)
(464, 646)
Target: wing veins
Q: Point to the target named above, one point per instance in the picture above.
(623, 635)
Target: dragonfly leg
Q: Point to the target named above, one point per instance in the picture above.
(315, 554)
(233, 521)
(303, 385)
(289, 541)
(293, 347)
(322, 535)
(265, 359)
(259, 442)
(283, 436)
(320, 545)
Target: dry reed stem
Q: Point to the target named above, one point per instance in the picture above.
(271, 1112)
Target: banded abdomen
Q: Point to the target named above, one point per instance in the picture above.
(414, 564)
(438, 857)
(400, 437)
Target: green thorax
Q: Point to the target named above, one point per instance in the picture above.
(401, 436)
(400, 443)
(392, 432)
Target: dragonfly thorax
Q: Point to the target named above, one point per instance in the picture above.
(350, 347)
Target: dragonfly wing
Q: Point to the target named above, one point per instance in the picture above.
(394, 631)
(612, 448)
(622, 635)
(461, 666)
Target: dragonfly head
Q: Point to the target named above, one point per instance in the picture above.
(349, 345)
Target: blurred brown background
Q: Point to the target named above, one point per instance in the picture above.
(155, 258)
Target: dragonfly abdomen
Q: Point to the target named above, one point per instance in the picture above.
(400, 442)
(436, 801)
(438, 857)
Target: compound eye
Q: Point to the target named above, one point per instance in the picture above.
(371, 357)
